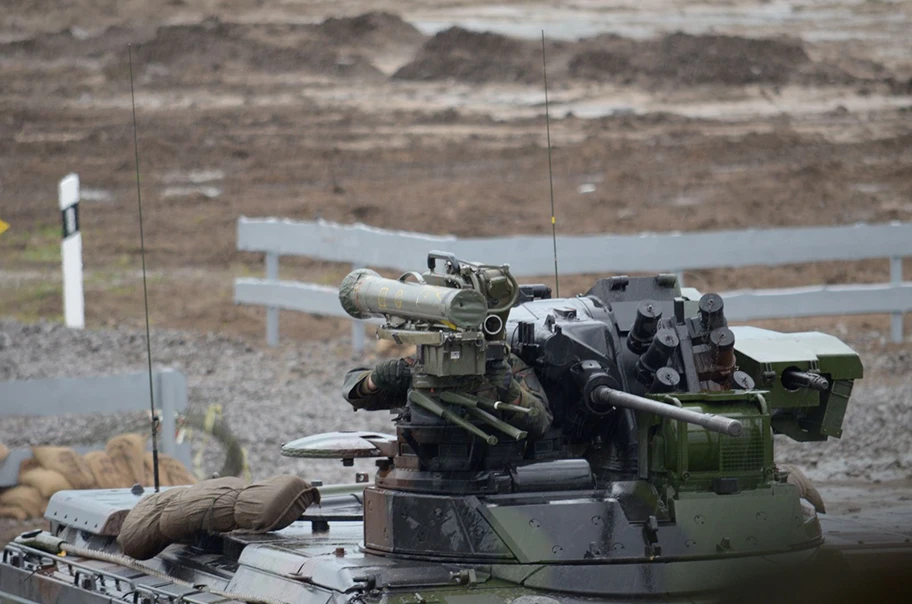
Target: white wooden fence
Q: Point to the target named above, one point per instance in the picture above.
(108, 394)
(529, 256)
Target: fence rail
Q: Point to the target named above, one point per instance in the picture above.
(109, 394)
(530, 256)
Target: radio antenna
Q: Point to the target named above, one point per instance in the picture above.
(142, 251)
(550, 169)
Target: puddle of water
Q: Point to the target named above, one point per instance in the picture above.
(586, 188)
(794, 102)
(685, 201)
(638, 21)
(190, 191)
(49, 137)
(569, 29)
(868, 188)
(195, 177)
(95, 195)
(8, 37)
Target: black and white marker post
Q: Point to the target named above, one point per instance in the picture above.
(71, 250)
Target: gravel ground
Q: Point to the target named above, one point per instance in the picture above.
(268, 396)
(272, 396)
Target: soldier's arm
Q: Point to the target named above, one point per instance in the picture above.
(526, 391)
(532, 396)
(361, 392)
(356, 390)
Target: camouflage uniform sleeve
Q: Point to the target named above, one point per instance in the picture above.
(369, 402)
(531, 396)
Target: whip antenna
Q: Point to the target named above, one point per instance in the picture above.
(142, 251)
(550, 170)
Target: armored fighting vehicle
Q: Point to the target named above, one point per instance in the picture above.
(655, 480)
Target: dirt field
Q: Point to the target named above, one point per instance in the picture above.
(681, 116)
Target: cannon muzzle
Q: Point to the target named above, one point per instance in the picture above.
(793, 379)
(710, 421)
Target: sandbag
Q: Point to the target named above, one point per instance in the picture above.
(274, 503)
(106, 474)
(806, 488)
(207, 506)
(171, 472)
(27, 499)
(28, 464)
(176, 472)
(140, 536)
(127, 452)
(67, 462)
(47, 482)
(11, 511)
(4, 451)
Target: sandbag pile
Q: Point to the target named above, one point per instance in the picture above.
(123, 463)
(219, 505)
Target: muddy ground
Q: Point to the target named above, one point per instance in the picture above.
(666, 116)
(427, 117)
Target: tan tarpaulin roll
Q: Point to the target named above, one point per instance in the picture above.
(106, 474)
(140, 536)
(28, 464)
(271, 504)
(127, 452)
(47, 482)
(207, 506)
(67, 462)
(27, 499)
(274, 503)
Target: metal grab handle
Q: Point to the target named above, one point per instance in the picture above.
(429, 404)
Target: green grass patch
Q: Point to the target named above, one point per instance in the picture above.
(33, 301)
(39, 245)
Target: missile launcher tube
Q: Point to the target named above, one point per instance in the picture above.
(364, 294)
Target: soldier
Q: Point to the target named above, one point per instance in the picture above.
(511, 381)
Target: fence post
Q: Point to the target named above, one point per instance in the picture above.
(172, 400)
(272, 313)
(896, 318)
(164, 402)
(71, 250)
(357, 329)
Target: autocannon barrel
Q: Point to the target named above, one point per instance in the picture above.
(794, 379)
(710, 421)
(364, 294)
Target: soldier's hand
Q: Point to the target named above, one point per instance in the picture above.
(394, 375)
(500, 374)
